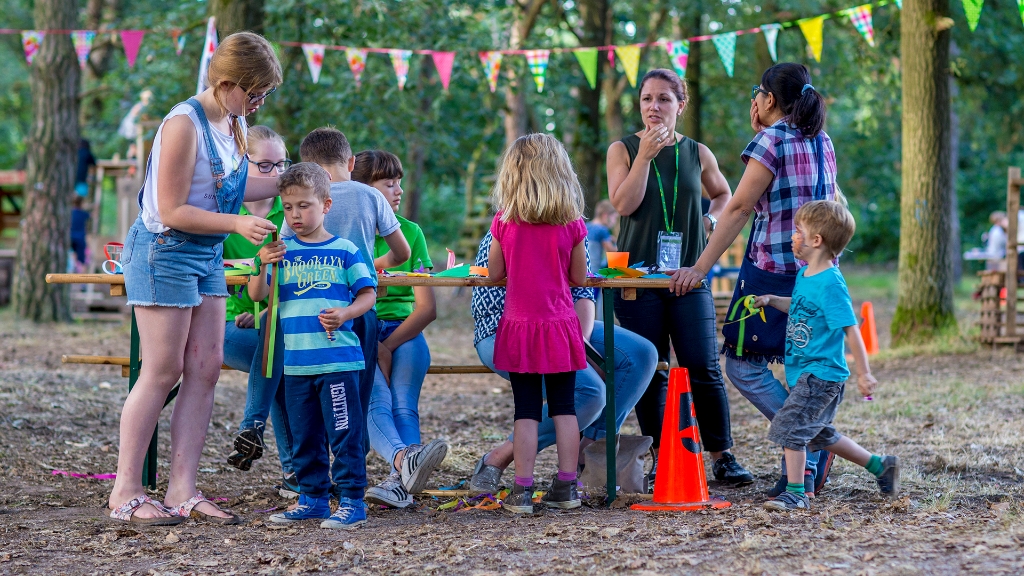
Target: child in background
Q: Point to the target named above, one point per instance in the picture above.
(324, 286)
(820, 312)
(995, 241)
(364, 214)
(402, 355)
(599, 233)
(79, 229)
(537, 243)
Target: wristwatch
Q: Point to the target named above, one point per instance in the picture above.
(712, 220)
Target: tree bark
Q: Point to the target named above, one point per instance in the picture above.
(925, 294)
(238, 15)
(691, 117)
(44, 237)
(588, 146)
(418, 148)
(517, 114)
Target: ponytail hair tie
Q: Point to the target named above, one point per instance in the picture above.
(806, 88)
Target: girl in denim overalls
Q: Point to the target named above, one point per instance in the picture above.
(195, 183)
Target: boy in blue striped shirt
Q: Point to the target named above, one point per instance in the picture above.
(323, 284)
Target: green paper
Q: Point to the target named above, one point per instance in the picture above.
(457, 272)
(610, 273)
(587, 58)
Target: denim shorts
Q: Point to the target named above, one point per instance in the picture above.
(171, 268)
(805, 420)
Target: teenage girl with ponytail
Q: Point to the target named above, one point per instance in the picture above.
(794, 163)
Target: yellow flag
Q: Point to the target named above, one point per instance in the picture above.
(812, 29)
(630, 57)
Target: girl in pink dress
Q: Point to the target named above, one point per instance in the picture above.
(538, 244)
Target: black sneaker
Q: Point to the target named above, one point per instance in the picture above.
(788, 501)
(248, 447)
(563, 494)
(520, 500)
(889, 481)
(419, 462)
(289, 487)
(390, 492)
(729, 471)
(486, 479)
(780, 486)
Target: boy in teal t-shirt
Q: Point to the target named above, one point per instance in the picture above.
(820, 317)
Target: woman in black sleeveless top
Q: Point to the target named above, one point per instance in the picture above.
(654, 181)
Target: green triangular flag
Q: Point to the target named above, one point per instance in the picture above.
(587, 57)
(973, 10)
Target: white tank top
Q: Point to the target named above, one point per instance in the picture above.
(203, 192)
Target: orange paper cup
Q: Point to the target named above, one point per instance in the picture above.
(618, 259)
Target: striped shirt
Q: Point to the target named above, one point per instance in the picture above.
(791, 158)
(314, 277)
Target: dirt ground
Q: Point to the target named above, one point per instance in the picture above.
(954, 418)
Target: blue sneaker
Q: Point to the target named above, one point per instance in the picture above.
(309, 508)
(350, 513)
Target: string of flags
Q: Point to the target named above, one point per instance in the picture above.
(537, 60)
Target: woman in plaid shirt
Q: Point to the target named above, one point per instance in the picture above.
(794, 163)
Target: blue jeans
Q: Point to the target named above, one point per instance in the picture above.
(394, 419)
(365, 328)
(635, 362)
(243, 350)
(327, 404)
(756, 382)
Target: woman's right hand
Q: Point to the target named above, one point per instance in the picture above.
(272, 252)
(653, 140)
(254, 229)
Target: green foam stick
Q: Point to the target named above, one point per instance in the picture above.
(270, 332)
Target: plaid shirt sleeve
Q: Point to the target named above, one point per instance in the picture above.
(763, 149)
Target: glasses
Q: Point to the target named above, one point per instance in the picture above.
(267, 167)
(753, 92)
(259, 97)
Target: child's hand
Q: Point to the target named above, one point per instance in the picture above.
(866, 384)
(332, 318)
(245, 320)
(384, 362)
(763, 301)
(272, 252)
(253, 228)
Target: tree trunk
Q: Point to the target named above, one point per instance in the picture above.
(44, 237)
(237, 15)
(691, 117)
(589, 148)
(516, 114)
(418, 148)
(925, 294)
(954, 162)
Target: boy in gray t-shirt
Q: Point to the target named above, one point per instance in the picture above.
(360, 213)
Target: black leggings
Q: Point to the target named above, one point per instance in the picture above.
(527, 392)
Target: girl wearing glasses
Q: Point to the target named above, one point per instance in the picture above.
(793, 163)
(196, 180)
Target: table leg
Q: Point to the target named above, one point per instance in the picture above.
(134, 365)
(609, 384)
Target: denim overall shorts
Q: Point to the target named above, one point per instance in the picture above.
(176, 268)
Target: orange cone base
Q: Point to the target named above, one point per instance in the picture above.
(683, 507)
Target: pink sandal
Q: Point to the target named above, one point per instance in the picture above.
(187, 509)
(126, 513)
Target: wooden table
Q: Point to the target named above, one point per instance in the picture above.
(607, 363)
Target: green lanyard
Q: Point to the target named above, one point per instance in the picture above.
(675, 193)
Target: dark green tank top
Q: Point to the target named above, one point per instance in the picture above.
(638, 232)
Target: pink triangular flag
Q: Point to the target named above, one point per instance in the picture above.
(443, 62)
(132, 41)
(315, 58)
(31, 40)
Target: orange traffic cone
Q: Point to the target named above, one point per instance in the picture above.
(681, 483)
(867, 327)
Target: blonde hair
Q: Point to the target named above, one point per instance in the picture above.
(247, 60)
(536, 183)
(829, 219)
(261, 133)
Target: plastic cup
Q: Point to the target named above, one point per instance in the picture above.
(618, 259)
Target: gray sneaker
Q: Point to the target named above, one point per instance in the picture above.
(563, 494)
(520, 500)
(889, 481)
(419, 462)
(390, 493)
(788, 501)
(486, 479)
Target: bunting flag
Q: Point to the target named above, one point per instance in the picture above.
(812, 29)
(209, 47)
(973, 10)
(771, 36)
(726, 46)
(131, 41)
(537, 60)
(356, 62)
(400, 61)
(443, 62)
(179, 40)
(861, 19)
(678, 54)
(315, 59)
(899, 4)
(1020, 6)
(82, 39)
(587, 57)
(31, 40)
(492, 64)
(630, 57)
